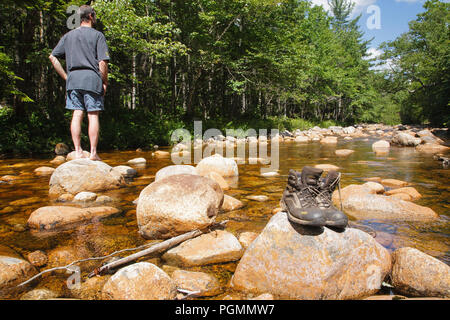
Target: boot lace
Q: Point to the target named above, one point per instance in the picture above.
(324, 197)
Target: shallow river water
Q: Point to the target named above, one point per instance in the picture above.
(101, 238)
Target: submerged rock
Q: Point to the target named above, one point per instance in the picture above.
(344, 152)
(216, 163)
(177, 204)
(44, 171)
(13, 271)
(84, 175)
(230, 203)
(296, 262)
(214, 247)
(140, 281)
(39, 294)
(417, 274)
(432, 148)
(329, 140)
(362, 202)
(38, 258)
(56, 217)
(206, 284)
(126, 171)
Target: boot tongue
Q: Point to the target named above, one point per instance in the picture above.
(329, 180)
(310, 176)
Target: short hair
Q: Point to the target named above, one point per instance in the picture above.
(85, 11)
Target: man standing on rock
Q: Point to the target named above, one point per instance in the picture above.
(86, 54)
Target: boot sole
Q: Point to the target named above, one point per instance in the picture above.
(339, 224)
(305, 222)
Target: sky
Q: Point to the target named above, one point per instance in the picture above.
(392, 21)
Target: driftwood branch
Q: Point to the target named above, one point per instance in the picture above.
(157, 248)
(149, 248)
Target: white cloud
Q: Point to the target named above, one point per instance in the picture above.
(374, 53)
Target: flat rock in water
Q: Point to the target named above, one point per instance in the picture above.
(258, 198)
(84, 175)
(140, 281)
(13, 271)
(415, 273)
(329, 140)
(85, 196)
(393, 183)
(412, 192)
(230, 203)
(362, 202)
(58, 160)
(295, 262)
(206, 284)
(432, 148)
(214, 247)
(177, 204)
(344, 152)
(405, 140)
(44, 171)
(137, 161)
(55, 217)
(174, 170)
(126, 171)
(224, 166)
(326, 167)
(39, 294)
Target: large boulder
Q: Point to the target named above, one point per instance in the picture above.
(13, 271)
(56, 217)
(140, 281)
(417, 274)
(214, 247)
(174, 170)
(405, 140)
(84, 175)
(363, 202)
(432, 148)
(177, 204)
(224, 166)
(297, 262)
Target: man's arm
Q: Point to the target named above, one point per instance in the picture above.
(58, 67)
(103, 67)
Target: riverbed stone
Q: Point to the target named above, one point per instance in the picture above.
(219, 179)
(432, 148)
(58, 160)
(411, 191)
(206, 284)
(13, 270)
(85, 196)
(91, 289)
(381, 146)
(329, 140)
(73, 155)
(224, 166)
(56, 217)
(415, 273)
(174, 170)
(38, 258)
(140, 281)
(215, 247)
(326, 167)
(44, 171)
(230, 203)
(259, 198)
(67, 197)
(302, 139)
(125, 171)
(296, 262)
(137, 161)
(405, 140)
(103, 200)
(162, 154)
(39, 294)
(362, 202)
(375, 186)
(246, 238)
(394, 183)
(62, 149)
(344, 152)
(177, 204)
(84, 175)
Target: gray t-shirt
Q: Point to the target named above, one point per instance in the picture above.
(83, 48)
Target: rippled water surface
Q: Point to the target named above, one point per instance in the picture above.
(101, 238)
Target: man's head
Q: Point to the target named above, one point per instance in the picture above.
(87, 14)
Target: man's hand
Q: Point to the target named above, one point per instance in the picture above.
(57, 65)
(104, 89)
(103, 67)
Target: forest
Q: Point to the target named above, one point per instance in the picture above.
(283, 64)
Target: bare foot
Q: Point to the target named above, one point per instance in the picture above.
(80, 155)
(95, 157)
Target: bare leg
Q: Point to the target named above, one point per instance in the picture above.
(75, 129)
(94, 127)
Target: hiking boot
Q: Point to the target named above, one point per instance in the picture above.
(299, 198)
(333, 216)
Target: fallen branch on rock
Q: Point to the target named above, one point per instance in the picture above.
(160, 247)
(149, 248)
